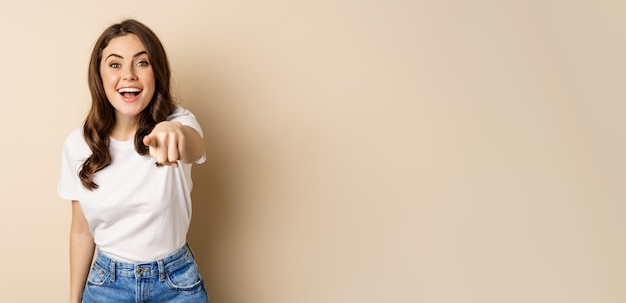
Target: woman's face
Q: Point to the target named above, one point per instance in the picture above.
(127, 76)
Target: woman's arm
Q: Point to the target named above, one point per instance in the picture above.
(81, 252)
(194, 148)
(170, 141)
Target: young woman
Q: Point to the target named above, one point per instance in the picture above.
(127, 172)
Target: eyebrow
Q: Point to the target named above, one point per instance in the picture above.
(119, 56)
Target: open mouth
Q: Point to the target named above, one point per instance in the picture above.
(129, 92)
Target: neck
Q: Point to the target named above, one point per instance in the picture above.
(124, 129)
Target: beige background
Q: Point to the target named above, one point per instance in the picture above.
(358, 151)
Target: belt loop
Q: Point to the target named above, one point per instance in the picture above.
(161, 270)
(112, 270)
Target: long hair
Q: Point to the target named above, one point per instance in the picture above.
(101, 117)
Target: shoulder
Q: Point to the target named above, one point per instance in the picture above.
(179, 112)
(185, 117)
(75, 143)
(75, 137)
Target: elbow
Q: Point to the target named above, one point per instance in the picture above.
(194, 147)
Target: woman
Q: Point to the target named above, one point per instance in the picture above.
(127, 172)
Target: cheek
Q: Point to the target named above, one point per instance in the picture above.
(108, 80)
(149, 82)
(109, 83)
(149, 76)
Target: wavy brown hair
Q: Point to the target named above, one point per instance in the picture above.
(101, 117)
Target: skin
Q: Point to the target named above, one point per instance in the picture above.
(125, 64)
(81, 252)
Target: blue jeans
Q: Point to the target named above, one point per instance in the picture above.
(174, 279)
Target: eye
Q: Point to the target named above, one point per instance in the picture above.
(115, 65)
(143, 63)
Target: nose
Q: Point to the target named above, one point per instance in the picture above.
(129, 72)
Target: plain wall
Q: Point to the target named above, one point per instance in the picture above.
(358, 151)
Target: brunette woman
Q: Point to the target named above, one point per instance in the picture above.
(127, 171)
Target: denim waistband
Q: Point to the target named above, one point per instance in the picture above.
(148, 269)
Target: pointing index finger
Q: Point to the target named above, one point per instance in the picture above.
(148, 141)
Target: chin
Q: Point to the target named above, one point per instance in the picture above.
(129, 111)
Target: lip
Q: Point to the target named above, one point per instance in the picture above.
(131, 99)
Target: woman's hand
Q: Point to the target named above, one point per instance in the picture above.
(171, 141)
(165, 142)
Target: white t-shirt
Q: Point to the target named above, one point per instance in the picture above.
(139, 212)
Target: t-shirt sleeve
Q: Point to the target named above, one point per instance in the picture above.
(69, 182)
(185, 117)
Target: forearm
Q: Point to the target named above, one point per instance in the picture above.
(193, 145)
(81, 254)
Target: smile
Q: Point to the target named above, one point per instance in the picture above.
(129, 93)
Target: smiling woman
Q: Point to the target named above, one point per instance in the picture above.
(137, 214)
(128, 82)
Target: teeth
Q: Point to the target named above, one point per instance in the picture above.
(128, 90)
